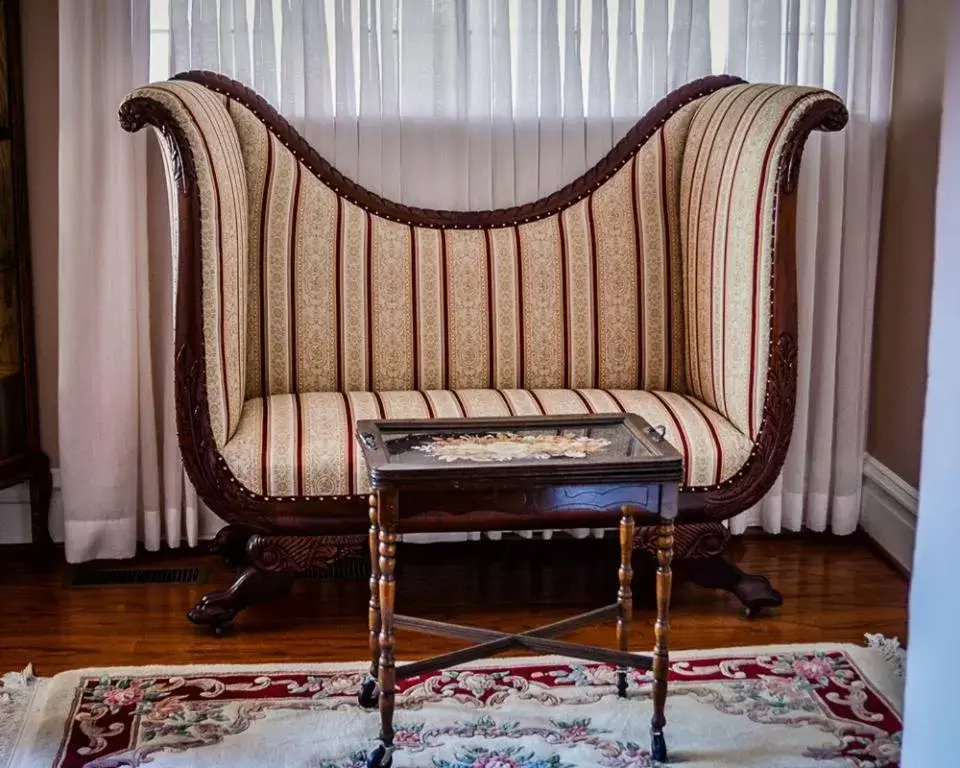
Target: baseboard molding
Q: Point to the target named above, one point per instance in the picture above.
(888, 511)
(15, 513)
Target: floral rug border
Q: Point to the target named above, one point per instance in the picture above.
(873, 666)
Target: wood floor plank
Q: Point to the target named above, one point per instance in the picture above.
(834, 590)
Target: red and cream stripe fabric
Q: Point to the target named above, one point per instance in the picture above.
(222, 185)
(727, 199)
(344, 300)
(294, 445)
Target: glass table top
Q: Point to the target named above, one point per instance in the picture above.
(599, 442)
(564, 450)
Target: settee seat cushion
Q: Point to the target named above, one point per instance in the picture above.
(304, 445)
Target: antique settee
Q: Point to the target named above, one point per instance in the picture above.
(661, 282)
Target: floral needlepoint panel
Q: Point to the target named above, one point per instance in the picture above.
(509, 446)
(757, 709)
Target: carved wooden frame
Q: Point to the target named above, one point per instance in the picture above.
(343, 515)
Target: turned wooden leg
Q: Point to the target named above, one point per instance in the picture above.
(369, 691)
(387, 671)
(624, 593)
(373, 614)
(661, 655)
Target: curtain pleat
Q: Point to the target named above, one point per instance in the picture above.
(551, 173)
(264, 69)
(689, 56)
(369, 125)
(292, 97)
(501, 105)
(599, 125)
(654, 31)
(626, 105)
(489, 103)
(574, 159)
(480, 95)
(318, 80)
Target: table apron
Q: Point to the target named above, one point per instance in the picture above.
(556, 506)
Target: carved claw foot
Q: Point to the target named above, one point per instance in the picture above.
(231, 544)
(217, 609)
(755, 592)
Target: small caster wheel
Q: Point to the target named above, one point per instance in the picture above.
(369, 694)
(622, 685)
(658, 748)
(380, 758)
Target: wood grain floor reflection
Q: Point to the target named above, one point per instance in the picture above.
(834, 590)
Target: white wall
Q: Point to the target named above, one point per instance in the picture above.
(933, 674)
(15, 513)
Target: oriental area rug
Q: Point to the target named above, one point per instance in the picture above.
(769, 707)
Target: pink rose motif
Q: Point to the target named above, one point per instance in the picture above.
(123, 697)
(812, 669)
(409, 738)
(497, 761)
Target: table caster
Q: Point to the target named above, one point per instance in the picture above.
(381, 757)
(658, 748)
(369, 694)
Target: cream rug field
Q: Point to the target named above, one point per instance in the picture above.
(768, 707)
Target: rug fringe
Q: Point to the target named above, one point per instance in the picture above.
(18, 680)
(893, 653)
(16, 693)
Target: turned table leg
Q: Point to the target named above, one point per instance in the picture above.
(369, 692)
(387, 667)
(625, 593)
(661, 659)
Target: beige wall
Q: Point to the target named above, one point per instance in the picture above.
(898, 379)
(40, 63)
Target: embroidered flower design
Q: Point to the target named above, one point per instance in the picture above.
(165, 709)
(507, 446)
(409, 738)
(123, 697)
(576, 730)
(509, 757)
(816, 668)
(820, 693)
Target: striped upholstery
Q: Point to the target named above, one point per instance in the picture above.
(343, 300)
(650, 295)
(727, 203)
(303, 444)
(222, 185)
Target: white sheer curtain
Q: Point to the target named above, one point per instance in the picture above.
(477, 104)
(107, 433)
(121, 475)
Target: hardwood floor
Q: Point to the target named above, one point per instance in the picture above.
(834, 590)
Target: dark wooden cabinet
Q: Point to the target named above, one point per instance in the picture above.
(20, 456)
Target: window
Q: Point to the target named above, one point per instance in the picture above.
(207, 34)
